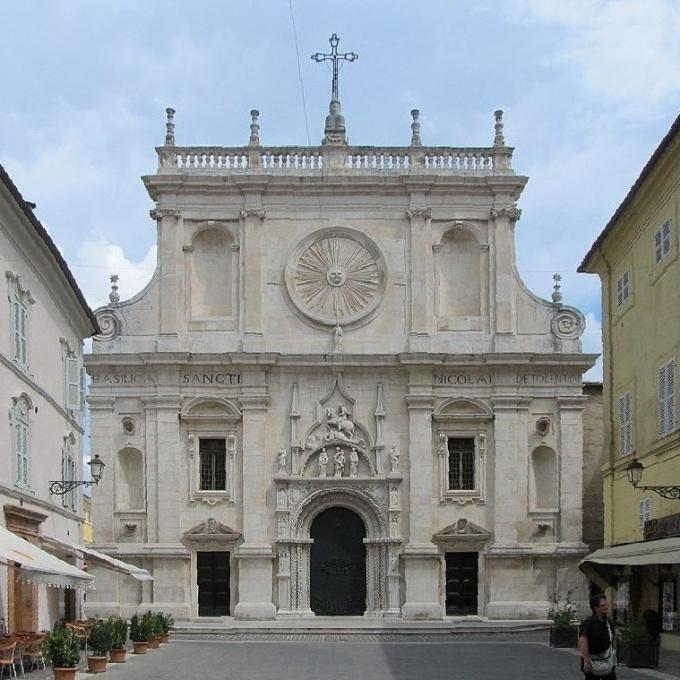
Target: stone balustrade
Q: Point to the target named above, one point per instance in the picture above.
(360, 159)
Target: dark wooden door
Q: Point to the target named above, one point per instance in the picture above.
(462, 575)
(338, 564)
(213, 583)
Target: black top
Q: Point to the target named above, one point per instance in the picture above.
(596, 631)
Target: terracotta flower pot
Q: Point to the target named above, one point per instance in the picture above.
(165, 638)
(96, 664)
(64, 673)
(154, 643)
(117, 655)
(140, 647)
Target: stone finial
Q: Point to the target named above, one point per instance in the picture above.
(499, 138)
(170, 127)
(335, 130)
(113, 295)
(254, 128)
(415, 128)
(557, 292)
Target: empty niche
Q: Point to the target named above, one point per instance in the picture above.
(130, 479)
(459, 280)
(543, 488)
(213, 271)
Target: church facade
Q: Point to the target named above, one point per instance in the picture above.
(336, 396)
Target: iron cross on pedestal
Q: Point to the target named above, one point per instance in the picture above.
(335, 58)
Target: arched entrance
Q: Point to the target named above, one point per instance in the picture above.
(338, 563)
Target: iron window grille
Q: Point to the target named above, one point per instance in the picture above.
(213, 465)
(461, 463)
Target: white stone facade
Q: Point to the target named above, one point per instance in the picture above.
(42, 327)
(341, 318)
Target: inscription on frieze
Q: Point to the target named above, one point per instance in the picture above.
(211, 378)
(123, 379)
(463, 379)
(548, 379)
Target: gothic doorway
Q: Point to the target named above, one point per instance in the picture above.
(462, 576)
(338, 563)
(212, 571)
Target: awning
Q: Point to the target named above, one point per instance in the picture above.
(38, 566)
(103, 560)
(598, 566)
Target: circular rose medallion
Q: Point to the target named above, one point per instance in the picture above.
(336, 276)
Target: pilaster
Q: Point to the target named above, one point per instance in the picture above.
(504, 262)
(421, 274)
(253, 217)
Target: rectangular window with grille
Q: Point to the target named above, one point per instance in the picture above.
(461, 463)
(626, 423)
(667, 398)
(213, 465)
(663, 241)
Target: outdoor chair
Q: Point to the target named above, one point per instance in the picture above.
(81, 633)
(7, 658)
(33, 651)
(19, 652)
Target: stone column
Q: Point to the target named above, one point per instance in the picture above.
(421, 277)
(504, 262)
(253, 268)
(510, 467)
(255, 554)
(571, 469)
(171, 302)
(421, 557)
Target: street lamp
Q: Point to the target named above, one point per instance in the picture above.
(634, 472)
(62, 486)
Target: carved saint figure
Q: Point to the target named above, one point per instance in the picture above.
(339, 424)
(339, 459)
(353, 462)
(323, 463)
(337, 338)
(394, 459)
(283, 459)
(335, 121)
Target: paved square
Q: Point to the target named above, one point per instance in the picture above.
(384, 658)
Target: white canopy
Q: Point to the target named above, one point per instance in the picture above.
(38, 566)
(105, 561)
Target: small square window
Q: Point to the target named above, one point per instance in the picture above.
(623, 288)
(663, 241)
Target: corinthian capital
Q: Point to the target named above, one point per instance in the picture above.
(513, 213)
(254, 212)
(158, 214)
(425, 213)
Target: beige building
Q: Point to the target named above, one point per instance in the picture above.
(336, 396)
(636, 258)
(42, 329)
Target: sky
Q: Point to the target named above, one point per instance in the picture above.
(588, 87)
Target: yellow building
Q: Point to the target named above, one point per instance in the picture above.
(636, 258)
(88, 534)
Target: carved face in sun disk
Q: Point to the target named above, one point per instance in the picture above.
(336, 276)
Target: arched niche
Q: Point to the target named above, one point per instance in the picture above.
(213, 274)
(460, 279)
(543, 480)
(129, 479)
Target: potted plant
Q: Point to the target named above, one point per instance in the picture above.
(563, 632)
(101, 641)
(62, 651)
(139, 633)
(167, 622)
(638, 641)
(154, 629)
(119, 636)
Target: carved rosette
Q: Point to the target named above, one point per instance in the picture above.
(568, 324)
(109, 323)
(336, 277)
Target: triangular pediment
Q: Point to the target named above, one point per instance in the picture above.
(211, 528)
(461, 530)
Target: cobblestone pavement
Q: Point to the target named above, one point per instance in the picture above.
(361, 657)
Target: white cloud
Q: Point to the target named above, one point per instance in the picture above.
(592, 344)
(99, 258)
(627, 51)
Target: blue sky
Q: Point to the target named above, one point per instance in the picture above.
(588, 87)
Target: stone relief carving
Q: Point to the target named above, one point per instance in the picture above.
(128, 425)
(109, 323)
(323, 463)
(282, 459)
(353, 462)
(568, 324)
(335, 278)
(339, 460)
(394, 459)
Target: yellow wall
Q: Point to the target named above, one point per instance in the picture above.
(88, 534)
(639, 337)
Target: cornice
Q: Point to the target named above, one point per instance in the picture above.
(24, 497)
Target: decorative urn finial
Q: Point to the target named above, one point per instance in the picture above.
(113, 295)
(415, 128)
(499, 137)
(254, 128)
(557, 292)
(170, 127)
